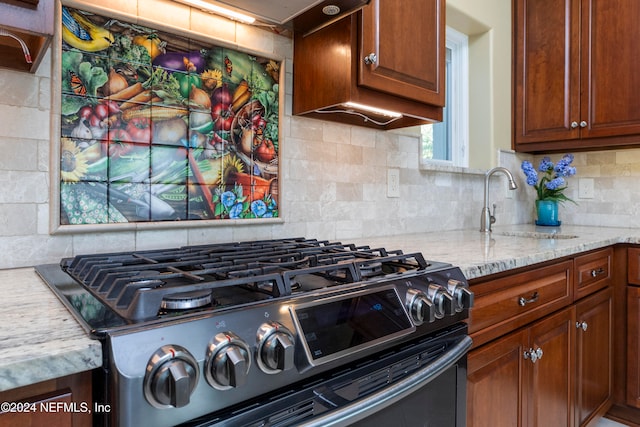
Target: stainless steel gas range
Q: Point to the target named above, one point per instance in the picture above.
(288, 332)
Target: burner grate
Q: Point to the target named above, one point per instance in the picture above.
(139, 285)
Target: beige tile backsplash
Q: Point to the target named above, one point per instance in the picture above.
(333, 180)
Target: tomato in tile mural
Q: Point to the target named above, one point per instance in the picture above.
(160, 127)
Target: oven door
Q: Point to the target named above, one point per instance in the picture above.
(422, 383)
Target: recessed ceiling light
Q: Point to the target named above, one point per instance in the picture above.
(331, 10)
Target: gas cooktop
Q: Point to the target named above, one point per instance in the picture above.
(138, 286)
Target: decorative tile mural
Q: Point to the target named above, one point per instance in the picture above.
(159, 127)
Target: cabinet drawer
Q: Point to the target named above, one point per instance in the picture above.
(633, 269)
(504, 304)
(593, 272)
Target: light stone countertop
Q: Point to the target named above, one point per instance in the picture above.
(39, 338)
(507, 247)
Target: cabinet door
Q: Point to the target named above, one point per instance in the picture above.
(408, 41)
(550, 400)
(609, 70)
(594, 343)
(633, 346)
(494, 391)
(575, 73)
(69, 399)
(633, 266)
(37, 416)
(546, 70)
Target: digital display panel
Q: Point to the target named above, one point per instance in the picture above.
(342, 324)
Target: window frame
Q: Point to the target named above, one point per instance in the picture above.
(458, 97)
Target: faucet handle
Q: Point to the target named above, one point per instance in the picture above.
(492, 216)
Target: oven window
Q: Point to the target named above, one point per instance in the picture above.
(336, 326)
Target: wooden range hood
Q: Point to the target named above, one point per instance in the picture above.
(332, 68)
(32, 22)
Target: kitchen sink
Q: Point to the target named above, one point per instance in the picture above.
(536, 234)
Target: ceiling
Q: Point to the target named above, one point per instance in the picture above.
(274, 11)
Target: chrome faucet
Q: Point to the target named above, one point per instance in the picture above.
(486, 218)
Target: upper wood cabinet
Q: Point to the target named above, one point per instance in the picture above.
(30, 20)
(575, 74)
(387, 56)
(408, 49)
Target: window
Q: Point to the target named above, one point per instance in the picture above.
(447, 142)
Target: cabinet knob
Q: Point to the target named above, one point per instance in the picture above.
(574, 125)
(371, 58)
(597, 272)
(583, 124)
(582, 325)
(533, 355)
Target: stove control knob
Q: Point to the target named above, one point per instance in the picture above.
(462, 296)
(228, 361)
(420, 308)
(171, 376)
(442, 301)
(275, 348)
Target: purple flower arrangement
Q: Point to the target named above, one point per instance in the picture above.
(550, 180)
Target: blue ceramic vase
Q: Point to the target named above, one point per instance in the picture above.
(547, 212)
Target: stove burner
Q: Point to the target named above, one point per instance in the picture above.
(186, 300)
(147, 283)
(370, 269)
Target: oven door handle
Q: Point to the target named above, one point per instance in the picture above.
(369, 405)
